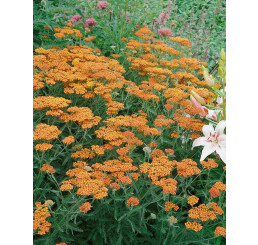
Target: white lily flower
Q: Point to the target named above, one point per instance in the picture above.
(213, 140)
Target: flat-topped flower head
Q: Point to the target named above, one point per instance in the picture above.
(90, 22)
(213, 140)
(102, 4)
(165, 32)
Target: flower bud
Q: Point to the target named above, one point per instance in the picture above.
(223, 55)
(88, 168)
(172, 220)
(153, 216)
(200, 99)
(208, 78)
(147, 149)
(196, 104)
(49, 203)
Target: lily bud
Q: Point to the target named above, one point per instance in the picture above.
(207, 77)
(196, 104)
(200, 99)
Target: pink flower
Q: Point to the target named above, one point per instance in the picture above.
(75, 18)
(90, 22)
(163, 17)
(165, 32)
(102, 5)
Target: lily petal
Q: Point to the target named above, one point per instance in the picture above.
(207, 130)
(199, 141)
(207, 150)
(220, 127)
(222, 153)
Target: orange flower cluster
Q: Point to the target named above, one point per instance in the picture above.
(68, 140)
(85, 207)
(43, 147)
(170, 205)
(192, 200)
(174, 134)
(39, 219)
(66, 30)
(159, 167)
(86, 181)
(132, 201)
(220, 231)
(54, 103)
(47, 168)
(88, 39)
(46, 132)
(189, 122)
(82, 115)
(195, 226)
(168, 185)
(161, 121)
(81, 72)
(216, 188)
(204, 213)
(116, 170)
(174, 95)
(209, 164)
(187, 167)
(182, 41)
(83, 153)
(145, 33)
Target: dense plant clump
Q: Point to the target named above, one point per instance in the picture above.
(117, 156)
(201, 21)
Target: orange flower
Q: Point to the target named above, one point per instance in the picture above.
(192, 200)
(88, 39)
(175, 134)
(116, 55)
(169, 106)
(85, 207)
(216, 188)
(68, 140)
(170, 151)
(39, 218)
(193, 226)
(132, 201)
(187, 167)
(47, 132)
(43, 147)
(220, 231)
(209, 164)
(170, 205)
(47, 168)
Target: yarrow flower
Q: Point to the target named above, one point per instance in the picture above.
(192, 200)
(220, 231)
(85, 207)
(132, 201)
(213, 140)
(165, 32)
